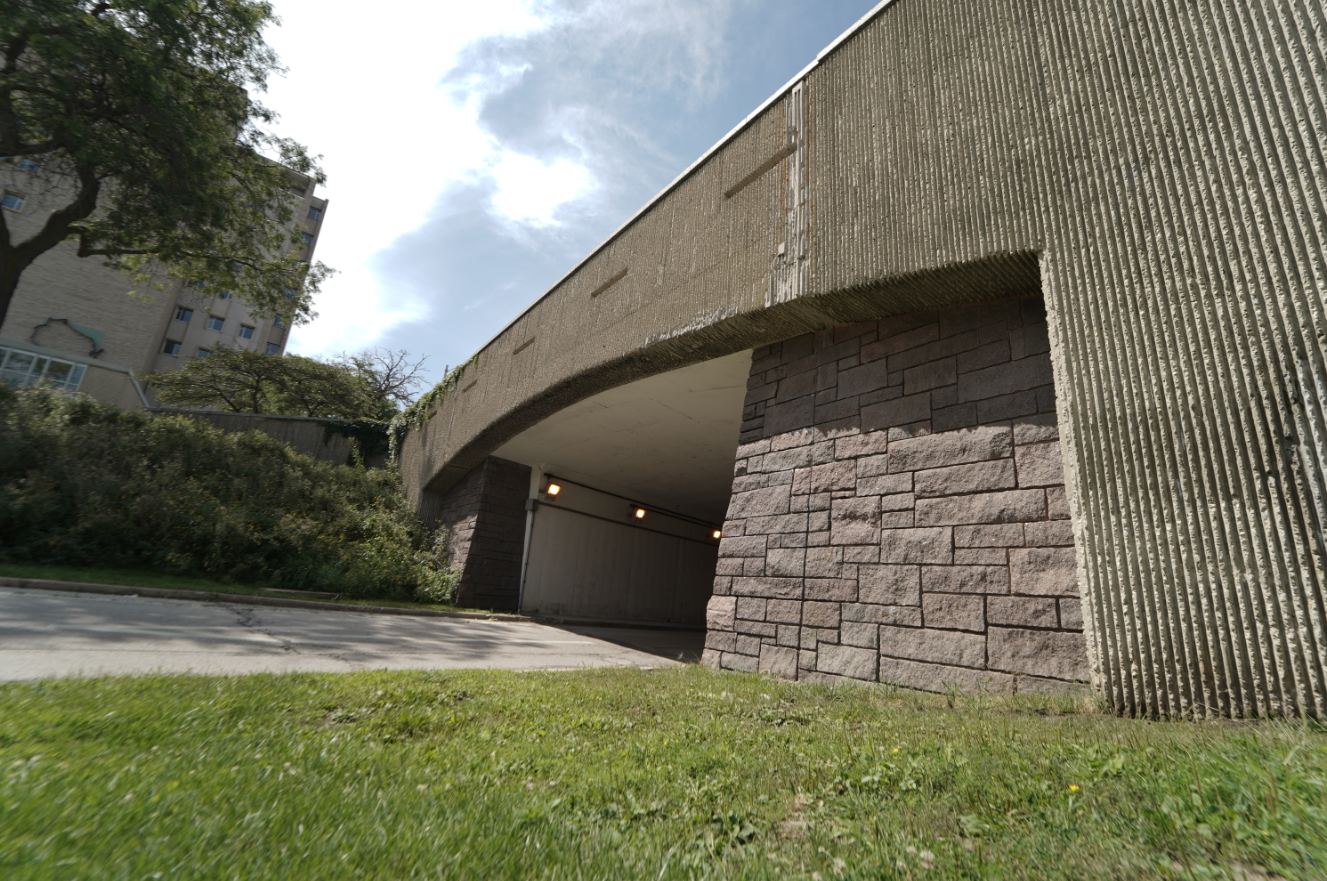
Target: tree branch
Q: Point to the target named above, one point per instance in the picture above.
(57, 225)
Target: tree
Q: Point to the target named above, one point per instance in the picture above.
(236, 381)
(136, 117)
(392, 376)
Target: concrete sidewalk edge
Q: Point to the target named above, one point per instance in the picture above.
(244, 599)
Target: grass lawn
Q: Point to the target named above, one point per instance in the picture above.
(674, 773)
(164, 581)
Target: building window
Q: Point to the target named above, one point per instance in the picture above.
(24, 368)
(202, 351)
(278, 321)
(215, 323)
(315, 213)
(12, 201)
(245, 332)
(290, 293)
(183, 314)
(273, 349)
(170, 347)
(31, 166)
(308, 240)
(225, 295)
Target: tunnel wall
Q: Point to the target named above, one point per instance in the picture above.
(898, 509)
(1156, 168)
(590, 559)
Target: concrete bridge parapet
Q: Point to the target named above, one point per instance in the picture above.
(1154, 171)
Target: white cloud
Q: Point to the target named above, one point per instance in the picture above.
(381, 97)
(530, 191)
(363, 90)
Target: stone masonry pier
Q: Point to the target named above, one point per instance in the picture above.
(898, 509)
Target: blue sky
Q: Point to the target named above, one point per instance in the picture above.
(475, 152)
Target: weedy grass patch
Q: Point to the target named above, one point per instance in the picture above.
(673, 773)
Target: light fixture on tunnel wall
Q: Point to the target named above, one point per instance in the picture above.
(718, 534)
(553, 488)
(638, 513)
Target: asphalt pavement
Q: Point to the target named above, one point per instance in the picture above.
(46, 634)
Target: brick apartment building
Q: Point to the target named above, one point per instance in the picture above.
(79, 325)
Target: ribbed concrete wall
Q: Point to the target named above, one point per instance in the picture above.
(1184, 264)
(1158, 167)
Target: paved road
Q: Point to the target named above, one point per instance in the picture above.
(44, 633)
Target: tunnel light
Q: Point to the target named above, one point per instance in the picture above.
(718, 533)
(553, 488)
(639, 514)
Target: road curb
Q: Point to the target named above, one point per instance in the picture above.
(243, 599)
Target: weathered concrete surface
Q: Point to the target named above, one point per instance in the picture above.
(1157, 168)
(45, 634)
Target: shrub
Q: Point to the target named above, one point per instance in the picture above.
(85, 484)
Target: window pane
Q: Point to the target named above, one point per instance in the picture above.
(273, 348)
(315, 213)
(12, 201)
(245, 332)
(57, 372)
(20, 361)
(17, 367)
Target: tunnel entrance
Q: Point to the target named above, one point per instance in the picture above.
(888, 499)
(643, 475)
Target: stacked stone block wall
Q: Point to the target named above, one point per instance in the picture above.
(486, 515)
(899, 511)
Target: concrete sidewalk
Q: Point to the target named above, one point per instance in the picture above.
(45, 633)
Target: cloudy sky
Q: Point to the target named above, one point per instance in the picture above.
(476, 151)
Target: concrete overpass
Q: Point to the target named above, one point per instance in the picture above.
(860, 333)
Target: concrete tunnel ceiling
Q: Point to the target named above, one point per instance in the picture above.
(669, 440)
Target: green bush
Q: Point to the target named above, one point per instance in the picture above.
(86, 484)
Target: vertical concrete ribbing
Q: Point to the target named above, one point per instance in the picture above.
(1238, 624)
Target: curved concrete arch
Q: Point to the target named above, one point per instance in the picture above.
(1154, 169)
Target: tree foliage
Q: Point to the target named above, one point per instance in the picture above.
(82, 483)
(236, 381)
(140, 122)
